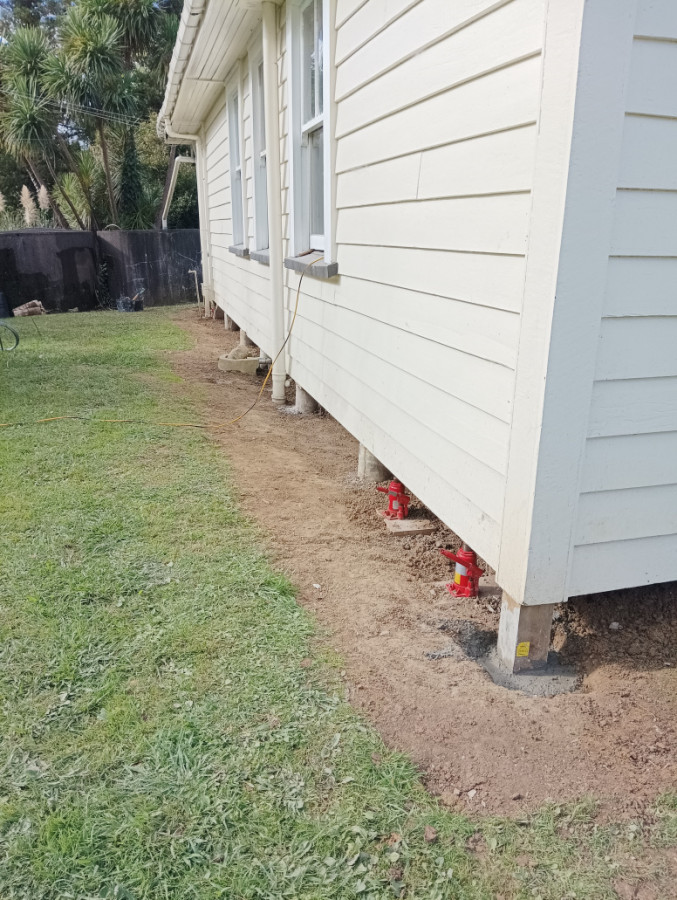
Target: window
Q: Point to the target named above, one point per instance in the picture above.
(312, 61)
(259, 146)
(235, 169)
(308, 34)
(312, 124)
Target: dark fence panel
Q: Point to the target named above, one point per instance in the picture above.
(160, 261)
(59, 268)
(53, 266)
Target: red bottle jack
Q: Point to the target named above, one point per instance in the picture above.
(467, 575)
(398, 500)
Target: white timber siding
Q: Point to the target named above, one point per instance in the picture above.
(501, 333)
(626, 527)
(241, 286)
(413, 346)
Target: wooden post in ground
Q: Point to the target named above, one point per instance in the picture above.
(524, 635)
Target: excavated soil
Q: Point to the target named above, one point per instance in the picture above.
(410, 649)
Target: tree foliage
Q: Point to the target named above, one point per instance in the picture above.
(30, 13)
(80, 85)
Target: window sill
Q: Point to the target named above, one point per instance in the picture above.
(239, 250)
(319, 270)
(261, 256)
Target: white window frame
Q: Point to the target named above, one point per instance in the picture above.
(259, 161)
(301, 131)
(235, 162)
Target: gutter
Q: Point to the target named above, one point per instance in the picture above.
(191, 19)
(175, 137)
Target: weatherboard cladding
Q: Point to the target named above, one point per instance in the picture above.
(415, 344)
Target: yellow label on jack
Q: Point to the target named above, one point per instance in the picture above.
(523, 648)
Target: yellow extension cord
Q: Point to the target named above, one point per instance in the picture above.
(214, 426)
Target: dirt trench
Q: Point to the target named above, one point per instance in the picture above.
(408, 646)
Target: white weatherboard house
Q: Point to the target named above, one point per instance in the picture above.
(491, 189)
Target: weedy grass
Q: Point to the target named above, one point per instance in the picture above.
(159, 737)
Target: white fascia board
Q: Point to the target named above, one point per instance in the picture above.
(191, 17)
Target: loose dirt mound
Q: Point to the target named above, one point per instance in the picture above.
(403, 637)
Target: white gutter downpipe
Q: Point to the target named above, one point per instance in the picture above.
(176, 137)
(274, 186)
(172, 187)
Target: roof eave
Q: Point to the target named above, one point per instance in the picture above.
(189, 26)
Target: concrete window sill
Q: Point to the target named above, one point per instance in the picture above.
(319, 270)
(239, 250)
(261, 256)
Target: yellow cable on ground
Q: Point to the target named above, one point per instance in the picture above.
(214, 426)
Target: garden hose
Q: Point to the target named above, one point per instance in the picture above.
(214, 426)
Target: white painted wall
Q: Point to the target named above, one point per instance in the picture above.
(501, 332)
(413, 346)
(241, 286)
(625, 531)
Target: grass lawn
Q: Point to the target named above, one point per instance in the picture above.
(168, 727)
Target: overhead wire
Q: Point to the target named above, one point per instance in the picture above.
(211, 427)
(67, 108)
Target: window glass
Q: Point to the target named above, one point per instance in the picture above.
(260, 163)
(319, 58)
(316, 159)
(309, 195)
(308, 61)
(234, 131)
(312, 60)
(260, 124)
(235, 169)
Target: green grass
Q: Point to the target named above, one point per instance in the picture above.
(159, 737)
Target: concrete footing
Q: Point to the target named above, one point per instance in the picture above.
(369, 467)
(230, 325)
(247, 366)
(246, 341)
(304, 403)
(524, 635)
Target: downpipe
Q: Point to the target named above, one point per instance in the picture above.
(274, 186)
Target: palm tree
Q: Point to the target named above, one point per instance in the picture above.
(87, 79)
(30, 118)
(138, 21)
(85, 185)
(129, 181)
(82, 93)
(25, 54)
(27, 125)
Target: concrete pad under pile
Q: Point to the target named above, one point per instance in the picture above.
(246, 366)
(549, 681)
